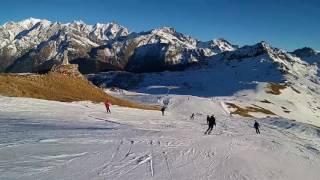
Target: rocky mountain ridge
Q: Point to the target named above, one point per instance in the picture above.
(35, 45)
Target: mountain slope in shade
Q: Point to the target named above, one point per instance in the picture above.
(308, 54)
(154, 50)
(225, 74)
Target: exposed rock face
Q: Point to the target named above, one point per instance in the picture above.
(35, 45)
(65, 68)
(158, 50)
(69, 70)
(65, 60)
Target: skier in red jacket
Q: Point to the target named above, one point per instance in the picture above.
(107, 104)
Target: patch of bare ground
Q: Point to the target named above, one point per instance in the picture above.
(245, 111)
(274, 88)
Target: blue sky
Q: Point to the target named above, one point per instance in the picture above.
(287, 24)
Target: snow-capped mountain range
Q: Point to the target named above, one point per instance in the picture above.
(35, 45)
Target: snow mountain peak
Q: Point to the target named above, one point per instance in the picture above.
(217, 46)
(307, 54)
(165, 29)
(29, 22)
(35, 45)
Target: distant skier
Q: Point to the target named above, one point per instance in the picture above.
(163, 109)
(192, 116)
(107, 104)
(211, 122)
(256, 126)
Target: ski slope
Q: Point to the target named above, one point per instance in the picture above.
(53, 140)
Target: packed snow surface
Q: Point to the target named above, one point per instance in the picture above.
(53, 140)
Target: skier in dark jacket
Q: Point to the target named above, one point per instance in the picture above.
(162, 110)
(256, 126)
(211, 122)
(192, 116)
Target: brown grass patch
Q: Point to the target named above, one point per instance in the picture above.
(274, 88)
(59, 87)
(244, 111)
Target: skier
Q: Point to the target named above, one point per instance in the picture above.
(211, 122)
(192, 116)
(208, 119)
(107, 104)
(256, 126)
(162, 110)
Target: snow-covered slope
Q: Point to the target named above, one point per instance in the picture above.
(262, 52)
(39, 140)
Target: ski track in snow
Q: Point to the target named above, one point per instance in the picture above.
(87, 143)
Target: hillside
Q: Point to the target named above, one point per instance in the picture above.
(58, 87)
(39, 140)
(254, 79)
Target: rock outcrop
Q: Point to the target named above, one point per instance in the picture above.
(65, 68)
